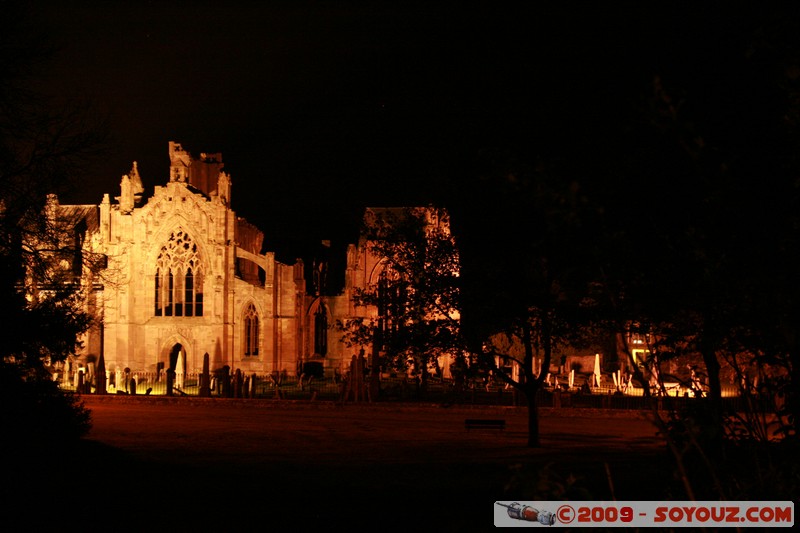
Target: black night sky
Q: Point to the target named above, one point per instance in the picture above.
(322, 108)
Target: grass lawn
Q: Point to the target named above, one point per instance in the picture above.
(197, 465)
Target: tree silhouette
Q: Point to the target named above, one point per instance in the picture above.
(415, 296)
(43, 144)
(527, 268)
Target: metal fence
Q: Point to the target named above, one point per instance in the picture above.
(386, 389)
(188, 384)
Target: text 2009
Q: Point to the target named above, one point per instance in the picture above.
(604, 514)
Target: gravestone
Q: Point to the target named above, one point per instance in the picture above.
(205, 379)
(170, 381)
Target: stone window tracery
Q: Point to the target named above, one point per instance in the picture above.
(250, 331)
(179, 278)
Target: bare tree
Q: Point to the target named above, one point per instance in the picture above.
(42, 148)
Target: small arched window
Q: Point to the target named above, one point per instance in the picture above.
(250, 331)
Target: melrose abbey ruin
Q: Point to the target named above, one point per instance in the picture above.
(183, 276)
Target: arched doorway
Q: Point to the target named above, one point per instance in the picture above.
(178, 364)
(174, 352)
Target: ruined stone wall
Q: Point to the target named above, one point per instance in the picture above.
(183, 228)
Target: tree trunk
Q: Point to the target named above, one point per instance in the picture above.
(709, 354)
(423, 377)
(533, 416)
(792, 391)
(714, 386)
(531, 384)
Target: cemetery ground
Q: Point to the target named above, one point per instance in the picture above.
(152, 463)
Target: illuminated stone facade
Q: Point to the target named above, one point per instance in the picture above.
(184, 276)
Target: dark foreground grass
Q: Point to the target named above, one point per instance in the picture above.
(97, 488)
(230, 466)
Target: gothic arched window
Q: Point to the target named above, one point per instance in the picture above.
(321, 331)
(250, 331)
(391, 296)
(179, 278)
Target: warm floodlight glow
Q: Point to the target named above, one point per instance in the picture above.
(639, 355)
